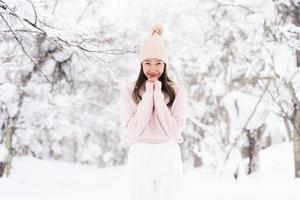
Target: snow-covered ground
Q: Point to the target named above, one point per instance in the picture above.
(34, 179)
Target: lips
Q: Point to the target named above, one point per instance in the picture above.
(152, 75)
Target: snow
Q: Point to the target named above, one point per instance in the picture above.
(240, 106)
(8, 95)
(81, 125)
(37, 179)
(3, 152)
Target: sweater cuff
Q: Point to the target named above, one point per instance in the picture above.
(157, 88)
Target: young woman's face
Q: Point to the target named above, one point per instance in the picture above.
(153, 68)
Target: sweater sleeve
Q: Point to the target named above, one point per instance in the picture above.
(135, 121)
(172, 121)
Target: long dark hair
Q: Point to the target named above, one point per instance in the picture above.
(165, 85)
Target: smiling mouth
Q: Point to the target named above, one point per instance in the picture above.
(152, 75)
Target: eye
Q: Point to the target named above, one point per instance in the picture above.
(158, 63)
(147, 63)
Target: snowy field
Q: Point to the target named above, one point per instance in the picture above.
(236, 59)
(34, 179)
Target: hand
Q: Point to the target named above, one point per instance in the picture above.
(150, 82)
(157, 85)
(149, 85)
(154, 82)
(153, 78)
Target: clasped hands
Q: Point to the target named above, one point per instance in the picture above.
(153, 84)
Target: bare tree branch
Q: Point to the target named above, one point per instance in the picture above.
(236, 140)
(17, 39)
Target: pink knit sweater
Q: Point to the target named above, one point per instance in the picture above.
(151, 120)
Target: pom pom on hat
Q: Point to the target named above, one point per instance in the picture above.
(154, 45)
(157, 29)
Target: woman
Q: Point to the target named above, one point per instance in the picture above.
(153, 116)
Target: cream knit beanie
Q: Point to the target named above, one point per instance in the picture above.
(154, 45)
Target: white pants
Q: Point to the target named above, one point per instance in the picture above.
(154, 171)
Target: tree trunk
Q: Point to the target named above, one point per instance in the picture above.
(197, 161)
(8, 134)
(296, 143)
(297, 23)
(9, 130)
(10, 124)
(254, 138)
(296, 113)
